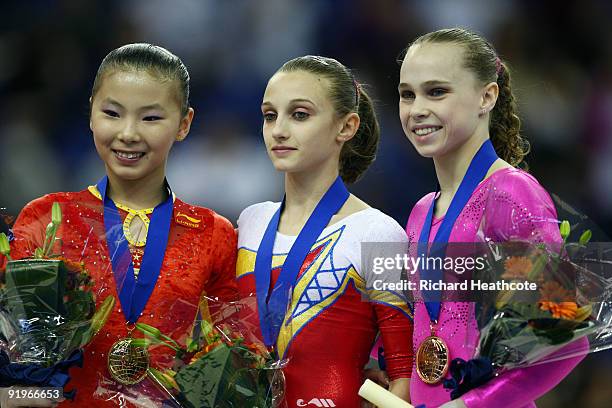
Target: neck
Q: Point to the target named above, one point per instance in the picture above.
(137, 194)
(303, 191)
(451, 167)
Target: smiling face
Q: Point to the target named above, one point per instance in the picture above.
(135, 119)
(441, 101)
(301, 129)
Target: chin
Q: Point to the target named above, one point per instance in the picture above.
(428, 151)
(128, 175)
(281, 165)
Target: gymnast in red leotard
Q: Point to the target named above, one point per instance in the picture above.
(320, 129)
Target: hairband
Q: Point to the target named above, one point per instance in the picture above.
(357, 91)
(498, 66)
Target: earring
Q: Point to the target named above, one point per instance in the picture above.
(483, 111)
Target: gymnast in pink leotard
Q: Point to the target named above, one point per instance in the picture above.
(455, 99)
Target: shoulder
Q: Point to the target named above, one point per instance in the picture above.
(518, 188)
(253, 222)
(35, 216)
(257, 213)
(422, 206)
(513, 176)
(185, 213)
(517, 206)
(44, 203)
(419, 212)
(376, 226)
(49, 199)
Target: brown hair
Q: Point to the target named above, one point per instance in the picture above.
(481, 58)
(156, 60)
(347, 96)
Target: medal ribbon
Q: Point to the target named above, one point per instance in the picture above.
(476, 172)
(272, 306)
(134, 294)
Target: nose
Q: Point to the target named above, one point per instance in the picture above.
(279, 129)
(129, 132)
(419, 109)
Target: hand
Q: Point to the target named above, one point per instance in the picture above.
(379, 377)
(8, 399)
(458, 403)
(401, 388)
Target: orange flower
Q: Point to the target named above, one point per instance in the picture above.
(207, 349)
(517, 267)
(553, 292)
(257, 348)
(562, 310)
(72, 266)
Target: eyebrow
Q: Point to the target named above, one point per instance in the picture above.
(293, 101)
(142, 108)
(427, 83)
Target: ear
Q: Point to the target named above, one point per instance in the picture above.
(490, 92)
(350, 125)
(185, 125)
(90, 108)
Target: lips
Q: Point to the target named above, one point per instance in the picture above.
(127, 156)
(282, 151)
(283, 148)
(425, 130)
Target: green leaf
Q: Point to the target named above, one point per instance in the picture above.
(556, 333)
(80, 305)
(583, 313)
(223, 375)
(5, 247)
(538, 266)
(155, 335)
(565, 229)
(163, 378)
(192, 346)
(585, 237)
(56, 214)
(207, 329)
(140, 342)
(49, 239)
(101, 316)
(148, 330)
(171, 340)
(34, 291)
(202, 383)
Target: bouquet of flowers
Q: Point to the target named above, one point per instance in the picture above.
(520, 328)
(47, 313)
(224, 365)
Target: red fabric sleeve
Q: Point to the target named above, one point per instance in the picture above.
(396, 329)
(222, 283)
(29, 228)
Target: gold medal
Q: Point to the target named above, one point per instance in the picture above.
(127, 363)
(432, 359)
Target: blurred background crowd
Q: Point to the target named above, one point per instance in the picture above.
(560, 54)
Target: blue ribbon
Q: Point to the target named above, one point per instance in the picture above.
(134, 294)
(38, 375)
(273, 306)
(467, 375)
(479, 166)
